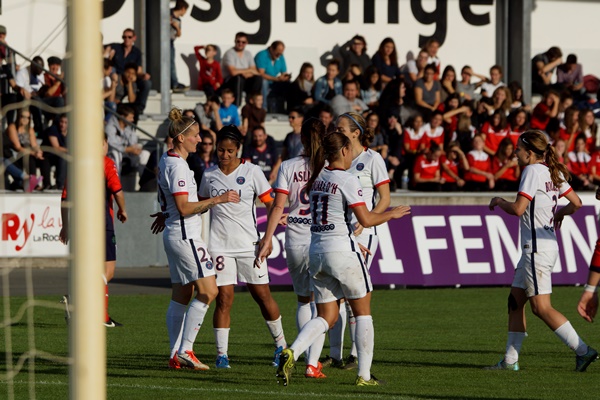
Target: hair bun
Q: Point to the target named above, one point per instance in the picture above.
(175, 114)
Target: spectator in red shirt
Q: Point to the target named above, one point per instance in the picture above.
(451, 165)
(426, 174)
(433, 131)
(571, 130)
(493, 131)
(545, 111)
(594, 167)
(560, 148)
(479, 178)
(588, 126)
(578, 165)
(505, 167)
(518, 125)
(210, 77)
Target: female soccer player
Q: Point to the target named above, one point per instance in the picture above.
(291, 185)
(543, 182)
(370, 169)
(190, 264)
(336, 264)
(234, 239)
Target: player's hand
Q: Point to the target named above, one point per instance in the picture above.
(588, 305)
(63, 236)
(558, 219)
(231, 196)
(158, 225)
(265, 247)
(283, 220)
(364, 250)
(598, 193)
(494, 202)
(358, 228)
(122, 216)
(400, 211)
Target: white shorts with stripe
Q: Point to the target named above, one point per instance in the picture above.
(339, 274)
(297, 262)
(232, 269)
(188, 260)
(371, 242)
(534, 272)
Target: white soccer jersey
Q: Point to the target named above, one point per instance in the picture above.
(176, 179)
(333, 195)
(537, 223)
(233, 225)
(371, 171)
(291, 180)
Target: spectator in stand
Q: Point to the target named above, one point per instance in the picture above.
(546, 110)
(431, 47)
(479, 178)
(354, 73)
(210, 77)
(262, 152)
(208, 115)
(570, 76)
(451, 165)
(433, 131)
(560, 148)
(53, 92)
(204, 157)
(501, 100)
(239, 70)
(110, 82)
(494, 131)
(505, 167)
(465, 131)
(275, 78)
(329, 85)
(448, 82)
(571, 130)
(148, 179)
(228, 111)
(349, 100)
(55, 138)
(465, 88)
(31, 79)
(127, 86)
(542, 67)
(518, 125)
(396, 161)
(123, 145)
(300, 91)
(412, 146)
(379, 142)
(415, 69)
(426, 173)
(177, 12)
(292, 145)
(494, 82)
(578, 165)
(355, 52)
(451, 113)
(253, 116)
(393, 102)
(386, 61)
(21, 137)
(516, 92)
(326, 117)
(125, 53)
(566, 101)
(427, 92)
(594, 167)
(371, 87)
(587, 125)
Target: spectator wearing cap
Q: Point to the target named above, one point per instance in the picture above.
(239, 69)
(275, 77)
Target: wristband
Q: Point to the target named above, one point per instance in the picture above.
(590, 288)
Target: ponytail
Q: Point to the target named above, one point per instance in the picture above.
(329, 150)
(558, 171)
(313, 130)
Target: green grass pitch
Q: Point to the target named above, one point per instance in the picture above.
(429, 343)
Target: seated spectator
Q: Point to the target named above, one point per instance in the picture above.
(494, 131)
(588, 126)
(570, 76)
(501, 100)
(239, 70)
(253, 116)
(431, 47)
(123, 147)
(275, 77)
(448, 83)
(386, 61)
(465, 132)
(415, 69)
(578, 165)
(413, 137)
(479, 178)
(594, 167)
(354, 73)
(326, 116)
(19, 178)
(300, 91)
(208, 116)
(371, 87)
(451, 110)
(560, 148)
(20, 137)
(292, 146)
(379, 142)
(210, 77)
(571, 130)
(329, 85)
(355, 52)
(427, 92)
(505, 167)
(148, 179)
(204, 158)
(542, 67)
(465, 88)
(53, 92)
(546, 110)
(110, 81)
(518, 124)
(566, 101)
(393, 102)
(127, 86)
(426, 173)
(30, 80)
(262, 152)
(349, 100)
(397, 163)
(55, 139)
(453, 164)
(516, 93)
(433, 131)
(228, 111)
(494, 82)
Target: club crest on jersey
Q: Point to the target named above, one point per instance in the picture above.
(181, 183)
(360, 166)
(209, 265)
(240, 180)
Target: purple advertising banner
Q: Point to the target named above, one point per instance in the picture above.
(458, 245)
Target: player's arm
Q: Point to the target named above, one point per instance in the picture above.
(517, 207)
(63, 236)
(120, 200)
(574, 205)
(274, 216)
(369, 219)
(187, 208)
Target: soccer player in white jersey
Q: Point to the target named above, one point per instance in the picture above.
(234, 238)
(190, 265)
(543, 182)
(369, 167)
(336, 265)
(291, 186)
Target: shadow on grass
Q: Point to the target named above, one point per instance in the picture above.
(148, 282)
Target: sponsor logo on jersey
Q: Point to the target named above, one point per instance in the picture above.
(360, 166)
(181, 183)
(240, 180)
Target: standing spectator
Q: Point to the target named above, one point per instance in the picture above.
(355, 52)
(177, 12)
(329, 85)
(451, 164)
(571, 130)
(253, 116)
(431, 47)
(125, 53)
(494, 131)
(542, 67)
(518, 125)
(386, 61)
(578, 165)
(448, 82)
(53, 91)
(21, 136)
(588, 125)
(426, 173)
(262, 152)
(371, 87)
(546, 110)
(228, 111)
(204, 157)
(570, 76)
(349, 100)
(479, 178)
(210, 77)
(56, 139)
(427, 92)
(505, 167)
(300, 91)
(275, 78)
(30, 80)
(494, 82)
(123, 145)
(239, 70)
(465, 88)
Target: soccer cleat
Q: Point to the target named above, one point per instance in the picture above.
(502, 365)
(351, 363)
(222, 361)
(111, 323)
(174, 363)
(332, 362)
(276, 356)
(326, 361)
(188, 359)
(315, 372)
(360, 381)
(286, 364)
(582, 362)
